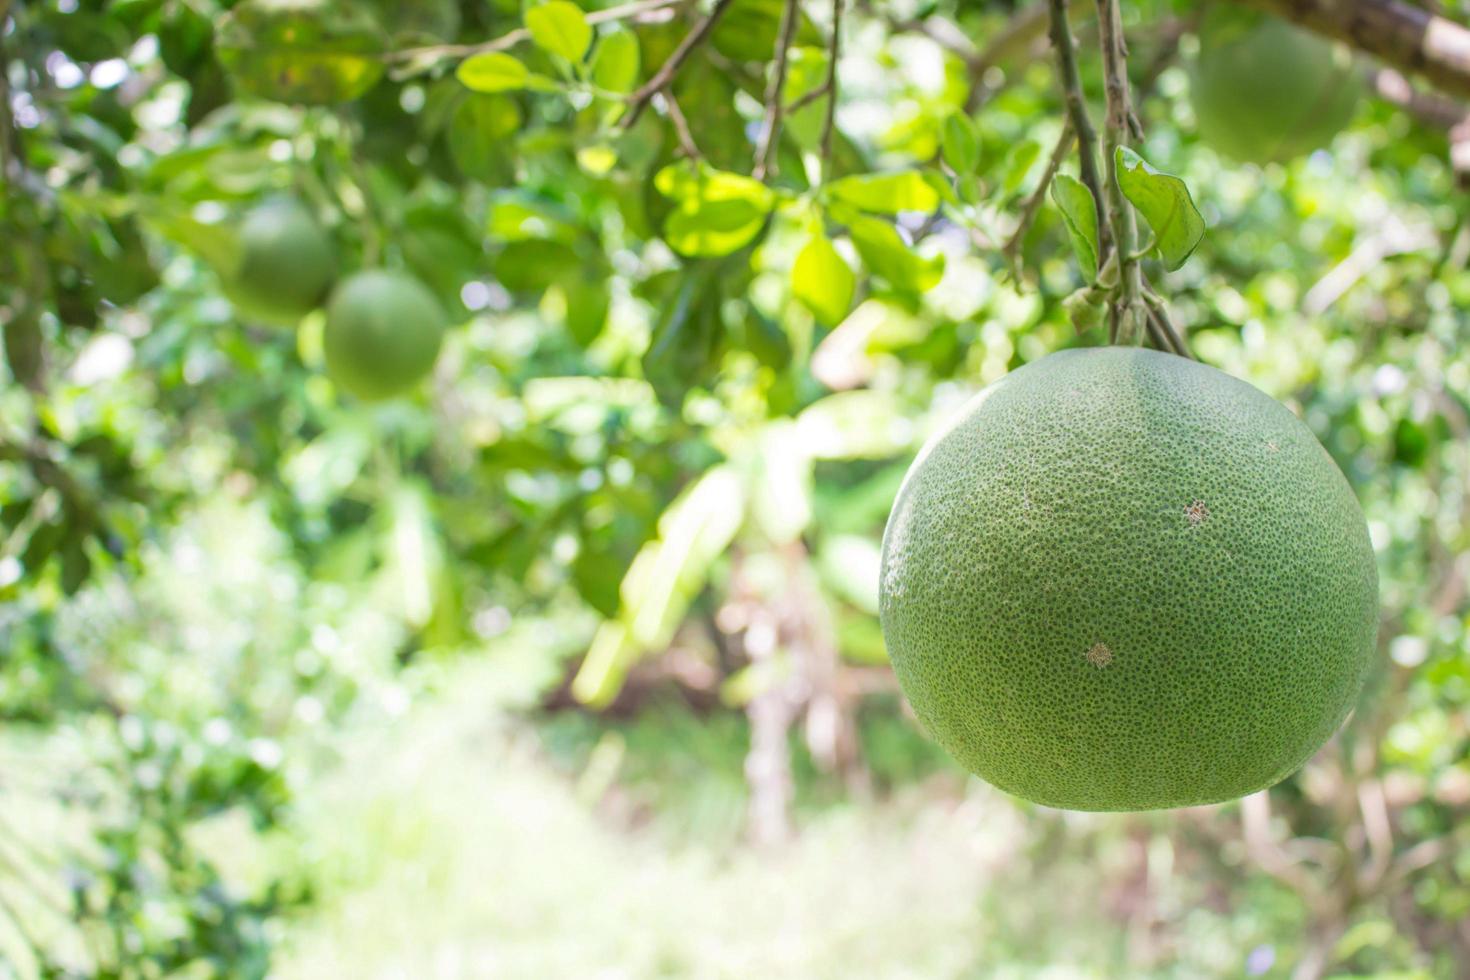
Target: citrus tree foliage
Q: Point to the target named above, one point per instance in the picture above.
(708, 290)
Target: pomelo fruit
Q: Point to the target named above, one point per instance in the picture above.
(1123, 580)
(286, 263)
(1264, 90)
(382, 334)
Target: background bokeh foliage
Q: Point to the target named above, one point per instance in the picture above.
(566, 662)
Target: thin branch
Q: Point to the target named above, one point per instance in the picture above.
(1011, 251)
(1028, 24)
(1063, 49)
(509, 40)
(802, 101)
(638, 101)
(681, 126)
(1127, 311)
(1158, 311)
(834, 53)
(770, 139)
(1409, 38)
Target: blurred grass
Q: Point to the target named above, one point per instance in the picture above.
(463, 841)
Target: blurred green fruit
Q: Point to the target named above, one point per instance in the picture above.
(287, 263)
(1264, 90)
(383, 333)
(313, 52)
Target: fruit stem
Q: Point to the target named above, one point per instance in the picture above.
(1128, 315)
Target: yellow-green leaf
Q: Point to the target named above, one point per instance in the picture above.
(821, 280)
(615, 62)
(715, 212)
(561, 28)
(494, 71)
(907, 190)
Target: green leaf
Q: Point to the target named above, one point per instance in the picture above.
(821, 280)
(715, 212)
(1018, 164)
(561, 28)
(494, 71)
(960, 143)
(886, 193)
(615, 63)
(887, 255)
(1165, 204)
(315, 54)
(1079, 210)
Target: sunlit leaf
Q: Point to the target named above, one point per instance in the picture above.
(886, 254)
(493, 71)
(960, 143)
(615, 62)
(560, 28)
(715, 212)
(822, 281)
(886, 193)
(1165, 204)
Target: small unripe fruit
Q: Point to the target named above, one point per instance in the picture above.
(1264, 90)
(286, 265)
(382, 334)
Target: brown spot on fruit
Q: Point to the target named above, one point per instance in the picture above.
(1099, 655)
(1197, 513)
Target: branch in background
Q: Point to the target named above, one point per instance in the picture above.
(638, 101)
(1433, 110)
(1023, 30)
(1011, 251)
(770, 139)
(834, 52)
(681, 126)
(1063, 49)
(1128, 317)
(1409, 38)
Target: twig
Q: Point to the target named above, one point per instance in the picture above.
(802, 101)
(1158, 311)
(509, 40)
(1433, 110)
(681, 126)
(765, 151)
(1127, 309)
(638, 101)
(1012, 248)
(1026, 26)
(1063, 49)
(834, 52)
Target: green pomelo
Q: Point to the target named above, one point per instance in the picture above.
(383, 333)
(286, 263)
(1123, 580)
(1264, 90)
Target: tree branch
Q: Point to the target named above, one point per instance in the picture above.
(1063, 50)
(638, 101)
(1011, 251)
(765, 151)
(1409, 38)
(834, 51)
(1128, 316)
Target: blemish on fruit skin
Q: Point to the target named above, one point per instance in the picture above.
(1197, 513)
(1099, 655)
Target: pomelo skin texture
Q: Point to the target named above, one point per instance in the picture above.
(1264, 90)
(383, 333)
(287, 263)
(1123, 580)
